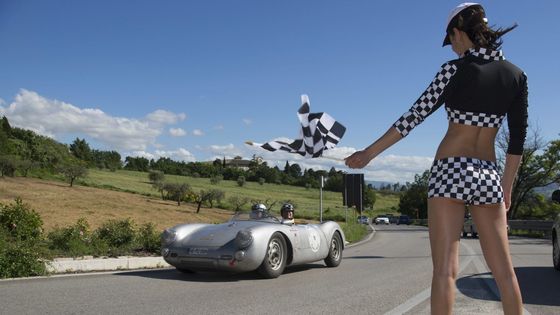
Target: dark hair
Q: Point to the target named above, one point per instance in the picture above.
(472, 21)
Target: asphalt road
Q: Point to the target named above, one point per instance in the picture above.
(390, 274)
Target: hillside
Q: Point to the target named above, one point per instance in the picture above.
(105, 195)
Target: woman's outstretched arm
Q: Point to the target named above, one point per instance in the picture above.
(361, 158)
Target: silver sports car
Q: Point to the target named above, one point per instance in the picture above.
(246, 243)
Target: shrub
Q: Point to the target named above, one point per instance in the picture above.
(149, 238)
(74, 240)
(117, 233)
(215, 180)
(20, 259)
(20, 241)
(241, 181)
(261, 181)
(156, 176)
(20, 221)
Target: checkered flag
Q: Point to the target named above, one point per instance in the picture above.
(319, 132)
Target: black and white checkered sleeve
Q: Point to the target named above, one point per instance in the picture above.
(428, 102)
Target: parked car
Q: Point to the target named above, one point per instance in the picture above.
(556, 243)
(363, 219)
(404, 219)
(381, 220)
(469, 227)
(393, 219)
(248, 243)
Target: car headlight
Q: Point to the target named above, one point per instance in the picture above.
(243, 239)
(168, 236)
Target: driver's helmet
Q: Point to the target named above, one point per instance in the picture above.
(287, 207)
(258, 211)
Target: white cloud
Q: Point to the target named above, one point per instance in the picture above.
(247, 121)
(180, 154)
(164, 117)
(177, 132)
(177, 155)
(390, 168)
(198, 132)
(54, 118)
(143, 154)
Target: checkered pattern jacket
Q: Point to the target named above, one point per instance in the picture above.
(481, 88)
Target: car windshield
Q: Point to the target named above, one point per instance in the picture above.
(255, 216)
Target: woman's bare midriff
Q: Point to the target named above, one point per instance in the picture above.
(468, 141)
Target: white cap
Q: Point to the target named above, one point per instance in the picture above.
(454, 13)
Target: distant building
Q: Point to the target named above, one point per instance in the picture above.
(237, 162)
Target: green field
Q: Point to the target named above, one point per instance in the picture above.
(306, 201)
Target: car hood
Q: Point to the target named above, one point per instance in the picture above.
(216, 235)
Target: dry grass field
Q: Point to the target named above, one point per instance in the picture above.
(61, 205)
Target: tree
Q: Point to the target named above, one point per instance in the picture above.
(534, 170)
(156, 176)
(73, 171)
(238, 202)
(8, 165)
(215, 195)
(25, 166)
(414, 201)
(81, 150)
(176, 191)
(141, 164)
(202, 196)
(369, 197)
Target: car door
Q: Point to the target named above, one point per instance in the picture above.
(309, 244)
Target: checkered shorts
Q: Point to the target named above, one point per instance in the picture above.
(474, 181)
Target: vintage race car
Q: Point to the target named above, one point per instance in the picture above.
(245, 244)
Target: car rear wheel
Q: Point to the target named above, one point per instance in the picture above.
(275, 259)
(335, 252)
(473, 233)
(556, 252)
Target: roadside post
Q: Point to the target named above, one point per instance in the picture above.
(321, 199)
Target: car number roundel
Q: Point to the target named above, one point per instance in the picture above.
(314, 240)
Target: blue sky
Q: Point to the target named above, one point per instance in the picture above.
(193, 80)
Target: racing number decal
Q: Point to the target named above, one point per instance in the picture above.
(314, 240)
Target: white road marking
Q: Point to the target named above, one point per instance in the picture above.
(422, 296)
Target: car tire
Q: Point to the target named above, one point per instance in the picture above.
(335, 251)
(473, 233)
(275, 258)
(464, 234)
(556, 252)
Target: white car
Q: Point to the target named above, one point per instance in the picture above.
(556, 243)
(363, 219)
(382, 220)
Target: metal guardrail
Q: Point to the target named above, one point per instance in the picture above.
(531, 225)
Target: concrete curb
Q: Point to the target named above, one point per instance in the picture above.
(69, 265)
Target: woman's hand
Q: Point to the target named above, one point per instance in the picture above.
(358, 160)
(507, 197)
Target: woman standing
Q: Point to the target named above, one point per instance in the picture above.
(479, 89)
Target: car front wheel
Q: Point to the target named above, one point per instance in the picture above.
(556, 252)
(275, 258)
(335, 251)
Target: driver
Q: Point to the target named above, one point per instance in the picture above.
(287, 213)
(258, 211)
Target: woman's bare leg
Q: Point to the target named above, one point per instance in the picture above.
(491, 223)
(445, 221)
